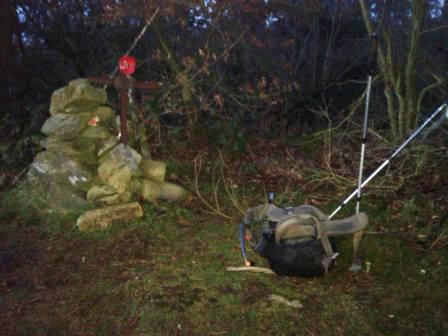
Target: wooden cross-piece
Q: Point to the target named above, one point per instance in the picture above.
(123, 83)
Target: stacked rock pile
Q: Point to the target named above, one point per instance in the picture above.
(84, 165)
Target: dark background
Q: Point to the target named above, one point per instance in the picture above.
(229, 68)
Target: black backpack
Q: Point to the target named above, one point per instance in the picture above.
(296, 241)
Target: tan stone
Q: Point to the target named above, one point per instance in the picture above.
(154, 190)
(107, 216)
(153, 170)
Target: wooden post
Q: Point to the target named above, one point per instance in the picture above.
(124, 83)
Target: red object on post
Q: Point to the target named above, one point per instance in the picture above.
(127, 65)
(123, 83)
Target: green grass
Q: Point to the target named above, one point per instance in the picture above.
(166, 275)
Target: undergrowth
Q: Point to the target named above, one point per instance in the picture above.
(165, 274)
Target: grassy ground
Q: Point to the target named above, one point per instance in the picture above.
(166, 275)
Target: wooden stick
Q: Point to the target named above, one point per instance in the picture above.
(250, 269)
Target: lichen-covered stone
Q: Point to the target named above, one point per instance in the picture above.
(135, 186)
(109, 200)
(99, 191)
(106, 145)
(96, 133)
(126, 156)
(78, 96)
(64, 199)
(118, 166)
(154, 190)
(61, 168)
(115, 199)
(115, 174)
(153, 170)
(85, 164)
(104, 113)
(105, 217)
(58, 99)
(68, 148)
(66, 126)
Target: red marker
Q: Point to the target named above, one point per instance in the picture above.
(127, 65)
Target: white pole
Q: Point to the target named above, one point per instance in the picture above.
(394, 154)
(364, 140)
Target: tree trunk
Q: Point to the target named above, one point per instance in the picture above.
(6, 32)
(400, 80)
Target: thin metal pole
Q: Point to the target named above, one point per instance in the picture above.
(364, 141)
(394, 154)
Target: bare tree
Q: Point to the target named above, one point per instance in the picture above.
(398, 66)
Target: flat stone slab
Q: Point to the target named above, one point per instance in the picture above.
(107, 216)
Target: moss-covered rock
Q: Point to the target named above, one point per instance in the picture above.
(99, 191)
(53, 167)
(96, 133)
(125, 155)
(78, 96)
(115, 199)
(86, 164)
(104, 114)
(115, 174)
(104, 146)
(67, 126)
(118, 166)
(68, 148)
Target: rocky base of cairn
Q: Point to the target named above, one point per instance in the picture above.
(84, 165)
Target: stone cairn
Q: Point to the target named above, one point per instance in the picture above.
(84, 165)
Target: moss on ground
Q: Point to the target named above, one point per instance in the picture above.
(166, 275)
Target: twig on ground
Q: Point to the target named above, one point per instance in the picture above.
(19, 310)
(281, 299)
(439, 238)
(253, 269)
(19, 175)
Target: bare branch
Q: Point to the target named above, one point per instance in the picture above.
(438, 82)
(434, 29)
